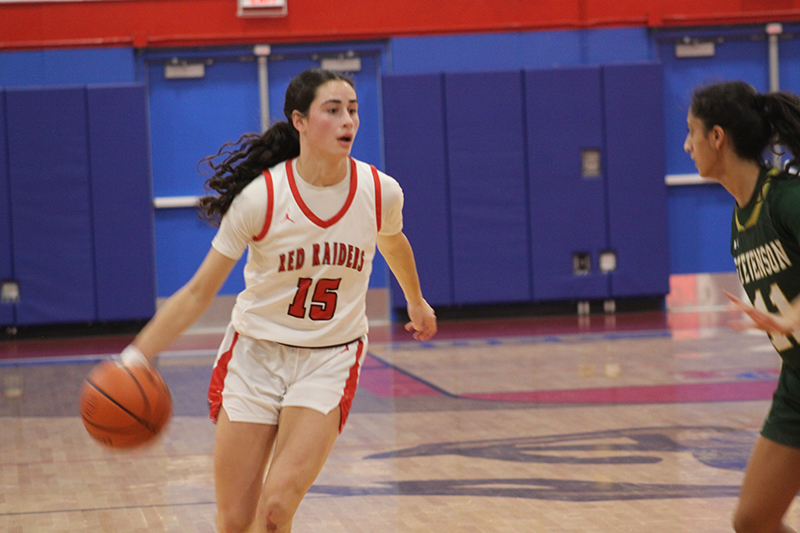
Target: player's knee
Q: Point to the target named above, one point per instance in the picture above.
(279, 511)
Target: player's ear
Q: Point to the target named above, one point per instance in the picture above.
(298, 120)
(717, 136)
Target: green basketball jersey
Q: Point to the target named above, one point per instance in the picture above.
(764, 244)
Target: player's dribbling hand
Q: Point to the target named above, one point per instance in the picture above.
(132, 356)
(769, 322)
(423, 321)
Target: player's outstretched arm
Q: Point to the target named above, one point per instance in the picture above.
(400, 257)
(184, 307)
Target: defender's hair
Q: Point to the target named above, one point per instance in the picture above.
(753, 121)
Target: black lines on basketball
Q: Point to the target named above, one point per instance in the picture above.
(124, 407)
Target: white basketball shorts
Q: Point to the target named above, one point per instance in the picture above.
(254, 379)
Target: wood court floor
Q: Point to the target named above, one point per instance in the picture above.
(637, 422)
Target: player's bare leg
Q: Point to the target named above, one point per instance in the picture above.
(770, 484)
(305, 438)
(241, 454)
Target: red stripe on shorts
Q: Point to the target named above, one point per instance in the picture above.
(218, 380)
(350, 387)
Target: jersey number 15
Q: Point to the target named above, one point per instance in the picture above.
(323, 300)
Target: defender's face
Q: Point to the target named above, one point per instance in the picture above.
(699, 146)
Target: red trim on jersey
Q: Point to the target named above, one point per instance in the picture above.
(218, 380)
(270, 204)
(378, 199)
(303, 207)
(350, 387)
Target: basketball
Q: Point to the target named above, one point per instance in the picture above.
(124, 407)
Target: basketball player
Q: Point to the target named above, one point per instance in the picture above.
(287, 369)
(730, 127)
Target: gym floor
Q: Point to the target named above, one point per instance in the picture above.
(639, 422)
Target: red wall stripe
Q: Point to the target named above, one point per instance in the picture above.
(154, 23)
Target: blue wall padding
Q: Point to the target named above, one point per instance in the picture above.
(123, 205)
(50, 205)
(568, 211)
(6, 269)
(413, 115)
(488, 187)
(637, 193)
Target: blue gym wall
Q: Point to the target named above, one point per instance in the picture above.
(67, 67)
(699, 215)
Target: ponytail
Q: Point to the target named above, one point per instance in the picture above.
(240, 166)
(782, 112)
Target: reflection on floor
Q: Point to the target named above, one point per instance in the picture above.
(636, 422)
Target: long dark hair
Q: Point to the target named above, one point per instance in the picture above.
(245, 159)
(753, 121)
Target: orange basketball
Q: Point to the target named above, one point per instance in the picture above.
(124, 407)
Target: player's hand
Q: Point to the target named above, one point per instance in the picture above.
(769, 322)
(132, 356)
(423, 321)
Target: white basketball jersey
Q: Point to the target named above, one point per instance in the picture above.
(307, 278)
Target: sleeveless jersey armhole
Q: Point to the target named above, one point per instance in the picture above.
(270, 204)
(378, 199)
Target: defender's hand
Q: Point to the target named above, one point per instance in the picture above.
(769, 322)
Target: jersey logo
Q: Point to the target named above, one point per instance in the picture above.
(286, 217)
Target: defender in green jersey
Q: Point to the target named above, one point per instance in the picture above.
(731, 125)
(765, 249)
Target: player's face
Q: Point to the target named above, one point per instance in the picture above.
(699, 146)
(332, 120)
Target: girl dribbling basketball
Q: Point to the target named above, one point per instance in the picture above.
(310, 217)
